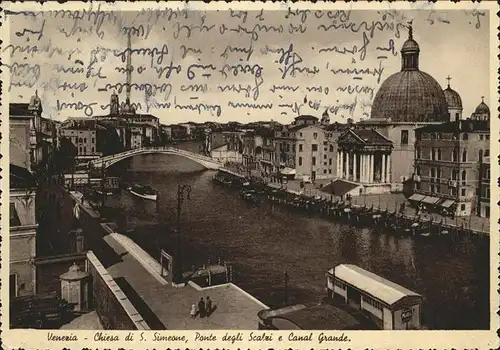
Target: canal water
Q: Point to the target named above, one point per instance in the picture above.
(262, 242)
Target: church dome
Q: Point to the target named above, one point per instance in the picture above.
(410, 95)
(482, 108)
(452, 98)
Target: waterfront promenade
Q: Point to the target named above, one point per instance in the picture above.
(389, 201)
(166, 307)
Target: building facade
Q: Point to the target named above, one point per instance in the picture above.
(25, 123)
(483, 190)
(315, 152)
(136, 140)
(258, 150)
(82, 132)
(226, 146)
(179, 132)
(447, 165)
(22, 237)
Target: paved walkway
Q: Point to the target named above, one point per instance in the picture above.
(166, 307)
(235, 309)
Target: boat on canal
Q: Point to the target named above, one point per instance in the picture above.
(104, 192)
(143, 191)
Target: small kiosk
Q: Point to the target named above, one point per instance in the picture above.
(389, 305)
(75, 287)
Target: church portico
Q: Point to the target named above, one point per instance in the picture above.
(366, 167)
(364, 157)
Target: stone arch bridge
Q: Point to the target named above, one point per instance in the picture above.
(106, 161)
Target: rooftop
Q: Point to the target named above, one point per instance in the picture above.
(467, 125)
(20, 177)
(337, 127)
(339, 187)
(375, 285)
(306, 117)
(19, 109)
(365, 137)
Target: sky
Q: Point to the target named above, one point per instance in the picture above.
(75, 61)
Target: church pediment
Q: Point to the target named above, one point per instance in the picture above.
(349, 138)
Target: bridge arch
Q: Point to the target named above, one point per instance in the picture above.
(204, 161)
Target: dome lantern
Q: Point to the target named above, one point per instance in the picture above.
(410, 51)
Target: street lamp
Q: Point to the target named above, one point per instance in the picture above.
(286, 288)
(183, 192)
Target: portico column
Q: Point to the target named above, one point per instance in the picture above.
(372, 163)
(361, 167)
(383, 168)
(338, 164)
(365, 167)
(341, 170)
(347, 165)
(354, 167)
(389, 168)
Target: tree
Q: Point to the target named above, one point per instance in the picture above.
(108, 140)
(63, 158)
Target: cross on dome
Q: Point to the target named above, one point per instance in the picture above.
(448, 78)
(482, 99)
(410, 28)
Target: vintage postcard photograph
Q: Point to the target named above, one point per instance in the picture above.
(249, 175)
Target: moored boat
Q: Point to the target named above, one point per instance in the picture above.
(105, 192)
(143, 191)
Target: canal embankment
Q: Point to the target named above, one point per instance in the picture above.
(159, 302)
(376, 206)
(263, 240)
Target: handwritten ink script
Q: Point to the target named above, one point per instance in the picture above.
(187, 64)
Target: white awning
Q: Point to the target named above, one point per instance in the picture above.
(416, 197)
(447, 203)
(288, 171)
(430, 200)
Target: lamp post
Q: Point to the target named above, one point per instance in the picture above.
(286, 288)
(183, 192)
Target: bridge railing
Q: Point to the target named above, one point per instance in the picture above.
(160, 148)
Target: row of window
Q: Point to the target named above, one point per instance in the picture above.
(372, 302)
(81, 140)
(313, 160)
(465, 136)
(452, 191)
(339, 284)
(285, 147)
(79, 132)
(436, 154)
(485, 191)
(83, 150)
(435, 173)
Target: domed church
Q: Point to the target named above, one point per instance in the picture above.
(454, 102)
(405, 101)
(410, 95)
